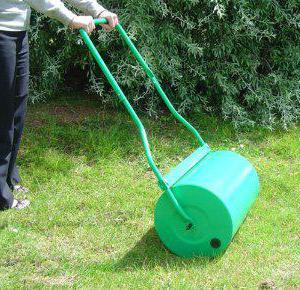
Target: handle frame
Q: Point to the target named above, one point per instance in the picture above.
(163, 183)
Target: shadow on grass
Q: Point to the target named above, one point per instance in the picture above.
(149, 253)
(3, 225)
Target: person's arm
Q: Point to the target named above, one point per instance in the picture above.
(54, 9)
(93, 8)
(57, 10)
(88, 7)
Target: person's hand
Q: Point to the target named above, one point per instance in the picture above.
(85, 22)
(112, 19)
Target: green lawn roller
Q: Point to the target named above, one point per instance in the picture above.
(207, 196)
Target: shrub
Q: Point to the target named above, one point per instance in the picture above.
(239, 59)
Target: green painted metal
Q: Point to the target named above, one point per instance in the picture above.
(100, 21)
(207, 196)
(186, 165)
(134, 116)
(157, 86)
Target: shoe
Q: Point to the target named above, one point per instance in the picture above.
(19, 204)
(20, 189)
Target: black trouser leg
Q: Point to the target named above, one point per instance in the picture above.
(14, 74)
(20, 105)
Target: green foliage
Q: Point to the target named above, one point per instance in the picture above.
(240, 59)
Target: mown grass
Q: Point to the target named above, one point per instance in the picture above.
(93, 196)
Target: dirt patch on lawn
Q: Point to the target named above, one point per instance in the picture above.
(64, 114)
(267, 284)
(72, 114)
(37, 123)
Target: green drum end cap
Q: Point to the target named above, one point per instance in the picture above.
(208, 235)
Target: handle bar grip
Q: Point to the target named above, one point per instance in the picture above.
(100, 21)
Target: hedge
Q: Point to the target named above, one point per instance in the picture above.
(237, 59)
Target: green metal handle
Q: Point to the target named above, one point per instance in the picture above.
(100, 21)
(158, 87)
(132, 113)
(154, 80)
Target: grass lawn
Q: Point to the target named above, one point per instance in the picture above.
(93, 196)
